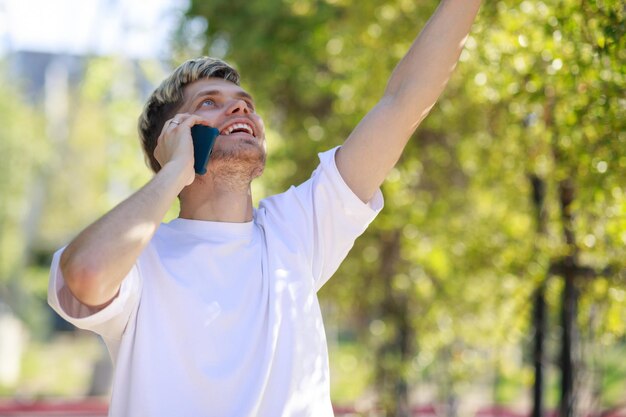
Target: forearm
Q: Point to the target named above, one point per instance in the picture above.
(413, 88)
(422, 74)
(97, 260)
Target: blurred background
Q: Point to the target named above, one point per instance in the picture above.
(493, 283)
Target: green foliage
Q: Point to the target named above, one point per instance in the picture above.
(59, 173)
(61, 368)
(101, 154)
(24, 151)
(351, 370)
(539, 90)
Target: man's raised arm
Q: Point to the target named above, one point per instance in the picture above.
(375, 145)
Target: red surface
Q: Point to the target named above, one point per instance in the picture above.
(497, 411)
(91, 407)
(87, 407)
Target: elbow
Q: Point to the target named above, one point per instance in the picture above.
(84, 279)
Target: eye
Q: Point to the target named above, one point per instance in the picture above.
(208, 102)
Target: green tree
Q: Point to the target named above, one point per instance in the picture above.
(439, 286)
(99, 163)
(25, 151)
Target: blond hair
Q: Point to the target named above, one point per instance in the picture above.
(164, 102)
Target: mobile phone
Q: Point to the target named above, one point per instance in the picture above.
(203, 138)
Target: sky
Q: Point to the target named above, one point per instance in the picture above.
(135, 28)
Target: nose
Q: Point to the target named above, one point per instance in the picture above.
(238, 106)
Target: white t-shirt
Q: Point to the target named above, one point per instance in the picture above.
(222, 319)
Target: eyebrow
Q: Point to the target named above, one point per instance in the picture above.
(241, 94)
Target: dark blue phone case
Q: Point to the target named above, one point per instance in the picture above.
(203, 140)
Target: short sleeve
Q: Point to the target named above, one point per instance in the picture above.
(108, 322)
(326, 216)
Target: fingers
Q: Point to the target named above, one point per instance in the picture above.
(175, 142)
(173, 122)
(185, 120)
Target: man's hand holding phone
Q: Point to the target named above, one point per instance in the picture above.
(176, 144)
(203, 140)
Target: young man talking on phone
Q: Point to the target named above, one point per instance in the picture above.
(216, 313)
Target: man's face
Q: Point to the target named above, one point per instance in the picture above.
(230, 109)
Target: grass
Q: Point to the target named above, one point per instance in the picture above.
(350, 372)
(59, 368)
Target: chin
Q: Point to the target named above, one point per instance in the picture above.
(244, 159)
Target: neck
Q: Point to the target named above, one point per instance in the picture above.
(210, 198)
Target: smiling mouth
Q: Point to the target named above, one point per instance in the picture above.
(238, 128)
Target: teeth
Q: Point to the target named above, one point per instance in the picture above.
(236, 126)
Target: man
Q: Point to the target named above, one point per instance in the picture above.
(216, 313)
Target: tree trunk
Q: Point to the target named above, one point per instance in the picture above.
(539, 324)
(569, 268)
(395, 351)
(539, 302)
(568, 322)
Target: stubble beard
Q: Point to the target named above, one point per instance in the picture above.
(237, 164)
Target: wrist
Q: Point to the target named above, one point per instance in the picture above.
(180, 172)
